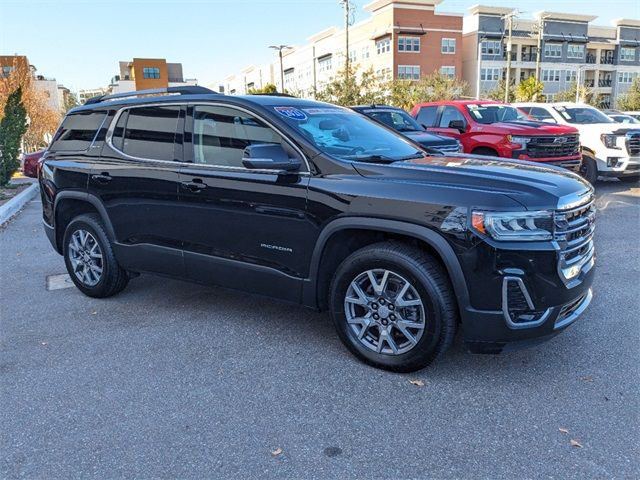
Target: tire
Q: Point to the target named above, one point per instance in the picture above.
(95, 277)
(485, 151)
(630, 179)
(429, 285)
(589, 169)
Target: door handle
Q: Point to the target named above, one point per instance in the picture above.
(101, 178)
(194, 185)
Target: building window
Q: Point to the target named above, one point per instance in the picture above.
(408, 44)
(491, 47)
(575, 51)
(571, 76)
(550, 75)
(490, 74)
(409, 72)
(151, 72)
(383, 74)
(627, 54)
(6, 70)
(324, 64)
(383, 46)
(553, 50)
(448, 71)
(353, 56)
(626, 77)
(365, 52)
(549, 97)
(448, 45)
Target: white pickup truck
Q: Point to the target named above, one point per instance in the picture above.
(609, 148)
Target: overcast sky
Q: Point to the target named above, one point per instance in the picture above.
(80, 42)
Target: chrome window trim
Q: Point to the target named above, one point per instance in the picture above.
(114, 122)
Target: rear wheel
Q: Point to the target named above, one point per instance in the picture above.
(589, 169)
(90, 260)
(393, 307)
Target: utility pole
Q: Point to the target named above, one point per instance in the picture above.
(346, 6)
(280, 48)
(479, 70)
(509, 45)
(540, 27)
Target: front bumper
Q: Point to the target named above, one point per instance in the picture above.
(572, 163)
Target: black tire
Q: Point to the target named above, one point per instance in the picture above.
(589, 169)
(113, 278)
(485, 151)
(630, 179)
(430, 282)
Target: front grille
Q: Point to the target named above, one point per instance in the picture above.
(553, 146)
(633, 143)
(574, 233)
(573, 165)
(451, 148)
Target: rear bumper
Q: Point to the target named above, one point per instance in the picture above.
(51, 235)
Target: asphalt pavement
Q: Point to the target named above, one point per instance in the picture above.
(175, 380)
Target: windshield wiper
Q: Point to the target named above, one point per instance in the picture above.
(372, 158)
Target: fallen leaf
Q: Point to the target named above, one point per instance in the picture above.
(277, 451)
(563, 430)
(44, 343)
(417, 383)
(94, 313)
(575, 443)
(587, 378)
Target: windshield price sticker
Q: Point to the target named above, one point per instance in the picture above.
(291, 112)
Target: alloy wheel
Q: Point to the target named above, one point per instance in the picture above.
(86, 257)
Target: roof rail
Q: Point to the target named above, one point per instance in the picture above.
(186, 90)
(274, 94)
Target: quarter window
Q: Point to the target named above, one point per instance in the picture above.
(408, 44)
(221, 134)
(409, 72)
(77, 131)
(448, 45)
(150, 132)
(151, 72)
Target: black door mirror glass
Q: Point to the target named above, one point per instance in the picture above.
(457, 124)
(269, 156)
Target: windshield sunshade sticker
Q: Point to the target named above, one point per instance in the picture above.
(322, 110)
(291, 112)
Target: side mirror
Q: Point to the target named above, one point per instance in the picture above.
(269, 156)
(458, 125)
(548, 120)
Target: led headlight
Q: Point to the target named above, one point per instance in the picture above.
(610, 140)
(521, 140)
(514, 226)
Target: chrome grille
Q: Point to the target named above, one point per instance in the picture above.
(553, 146)
(632, 139)
(451, 148)
(574, 228)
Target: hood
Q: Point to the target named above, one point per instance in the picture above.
(532, 185)
(429, 139)
(598, 128)
(526, 127)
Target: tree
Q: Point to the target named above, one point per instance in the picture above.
(70, 101)
(630, 100)
(267, 88)
(529, 90)
(12, 128)
(349, 88)
(585, 95)
(434, 87)
(42, 119)
(498, 93)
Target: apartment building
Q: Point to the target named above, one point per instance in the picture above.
(148, 73)
(86, 94)
(399, 39)
(55, 93)
(604, 59)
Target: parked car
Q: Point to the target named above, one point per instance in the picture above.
(315, 204)
(622, 118)
(609, 149)
(501, 130)
(31, 163)
(633, 114)
(401, 121)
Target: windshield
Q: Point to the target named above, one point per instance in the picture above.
(494, 113)
(624, 119)
(345, 134)
(398, 120)
(582, 115)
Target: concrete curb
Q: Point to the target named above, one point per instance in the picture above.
(14, 205)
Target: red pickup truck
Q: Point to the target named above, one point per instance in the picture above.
(501, 130)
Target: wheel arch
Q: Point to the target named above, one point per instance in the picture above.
(314, 294)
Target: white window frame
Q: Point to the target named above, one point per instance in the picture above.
(575, 51)
(448, 46)
(490, 74)
(325, 64)
(365, 52)
(383, 45)
(412, 70)
(571, 76)
(553, 48)
(448, 71)
(484, 47)
(627, 77)
(408, 44)
(624, 54)
(551, 75)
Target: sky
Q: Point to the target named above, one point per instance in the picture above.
(79, 42)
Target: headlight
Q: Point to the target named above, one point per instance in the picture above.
(514, 226)
(610, 140)
(521, 140)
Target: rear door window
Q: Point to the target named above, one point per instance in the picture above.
(77, 132)
(150, 132)
(541, 114)
(450, 114)
(427, 116)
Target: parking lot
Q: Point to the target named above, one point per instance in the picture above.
(170, 379)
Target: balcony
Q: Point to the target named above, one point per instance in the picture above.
(591, 58)
(513, 55)
(589, 82)
(607, 58)
(604, 82)
(529, 56)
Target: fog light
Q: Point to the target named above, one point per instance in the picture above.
(571, 272)
(612, 161)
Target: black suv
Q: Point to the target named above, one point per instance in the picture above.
(315, 204)
(400, 121)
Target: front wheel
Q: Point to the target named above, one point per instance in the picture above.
(589, 169)
(393, 306)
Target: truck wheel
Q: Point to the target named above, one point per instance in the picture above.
(393, 306)
(485, 151)
(589, 169)
(90, 260)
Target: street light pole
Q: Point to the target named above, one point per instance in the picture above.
(280, 48)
